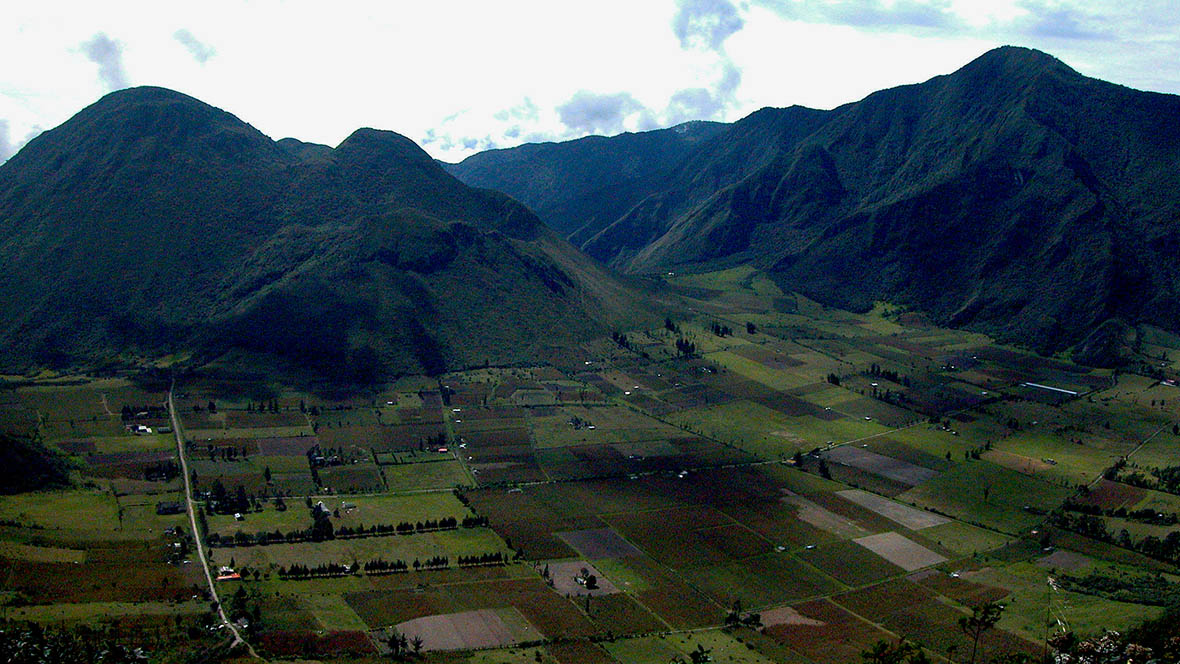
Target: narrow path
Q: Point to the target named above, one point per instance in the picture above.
(1138, 447)
(192, 518)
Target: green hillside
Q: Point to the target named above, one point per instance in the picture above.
(1014, 196)
(152, 223)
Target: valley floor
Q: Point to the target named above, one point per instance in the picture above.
(766, 480)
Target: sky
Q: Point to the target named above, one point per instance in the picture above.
(460, 76)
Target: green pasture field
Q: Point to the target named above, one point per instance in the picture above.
(99, 426)
(79, 512)
(200, 435)
(1159, 452)
(426, 476)
(959, 492)
(1158, 501)
(453, 543)
(964, 539)
(354, 511)
(814, 367)
(121, 441)
(750, 426)
(661, 649)
(99, 612)
(1031, 596)
(1063, 459)
(612, 424)
(80, 402)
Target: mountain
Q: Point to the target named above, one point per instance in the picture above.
(1014, 196)
(151, 223)
(580, 185)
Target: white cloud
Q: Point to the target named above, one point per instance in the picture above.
(200, 51)
(464, 70)
(7, 149)
(108, 55)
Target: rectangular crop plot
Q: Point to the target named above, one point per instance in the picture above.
(850, 564)
(910, 517)
(825, 519)
(826, 633)
(599, 543)
(484, 628)
(900, 551)
(885, 466)
(296, 446)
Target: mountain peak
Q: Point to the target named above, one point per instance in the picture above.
(1015, 62)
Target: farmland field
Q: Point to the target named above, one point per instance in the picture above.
(847, 478)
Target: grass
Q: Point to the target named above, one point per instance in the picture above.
(79, 511)
(97, 612)
(964, 539)
(722, 647)
(753, 427)
(366, 510)
(960, 492)
(451, 543)
(1085, 614)
(425, 476)
(332, 612)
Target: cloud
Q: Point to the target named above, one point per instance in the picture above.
(593, 113)
(526, 110)
(703, 103)
(108, 55)
(7, 149)
(927, 14)
(705, 24)
(200, 51)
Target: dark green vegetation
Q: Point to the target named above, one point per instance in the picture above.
(803, 489)
(26, 465)
(151, 223)
(1014, 196)
(580, 186)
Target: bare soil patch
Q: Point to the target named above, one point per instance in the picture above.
(484, 628)
(910, 517)
(787, 616)
(824, 518)
(900, 551)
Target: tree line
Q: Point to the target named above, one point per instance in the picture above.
(1089, 525)
(314, 534)
(380, 566)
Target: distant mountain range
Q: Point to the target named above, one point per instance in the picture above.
(152, 224)
(1014, 196)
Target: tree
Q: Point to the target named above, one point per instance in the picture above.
(983, 617)
(904, 652)
(266, 474)
(212, 406)
(700, 655)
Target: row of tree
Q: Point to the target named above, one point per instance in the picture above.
(1166, 548)
(381, 566)
(1145, 515)
(319, 532)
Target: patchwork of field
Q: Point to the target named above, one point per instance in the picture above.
(849, 478)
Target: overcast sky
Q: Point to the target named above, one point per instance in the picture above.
(461, 76)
